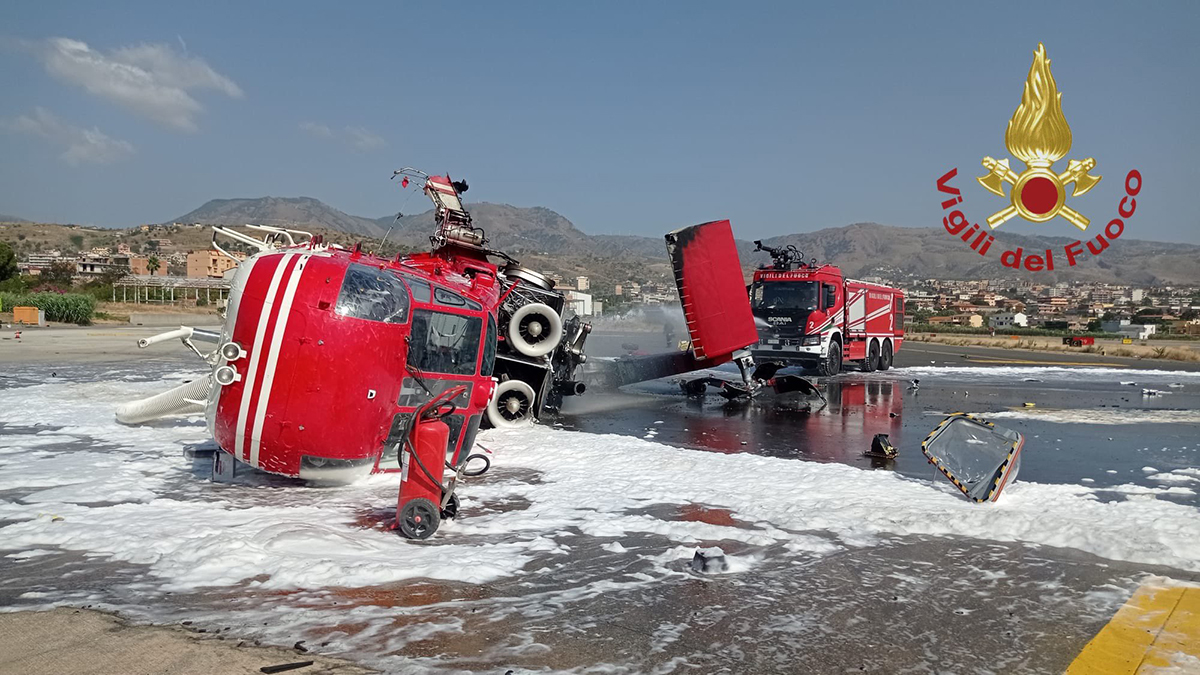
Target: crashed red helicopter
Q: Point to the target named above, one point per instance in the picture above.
(334, 363)
(446, 334)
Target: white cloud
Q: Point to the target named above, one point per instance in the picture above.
(151, 80)
(358, 138)
(363, 139)
(318, 130)
(82, 146)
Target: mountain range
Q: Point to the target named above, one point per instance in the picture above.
(860, 249)
(548, 240)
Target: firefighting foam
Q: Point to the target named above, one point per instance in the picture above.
(131, 479)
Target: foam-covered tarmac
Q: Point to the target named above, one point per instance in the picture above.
(572, 553)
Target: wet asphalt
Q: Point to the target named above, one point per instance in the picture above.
(861, 405)
(908, 604)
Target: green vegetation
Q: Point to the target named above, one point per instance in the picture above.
(60, 274)
(1010, 330)
(8, 262)
(59, 307)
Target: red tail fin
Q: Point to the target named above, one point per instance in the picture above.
(712, 290)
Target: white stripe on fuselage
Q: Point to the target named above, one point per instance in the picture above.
(264, 320)
(264, 396)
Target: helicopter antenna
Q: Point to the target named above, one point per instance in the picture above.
(379, 246)
(406, 172)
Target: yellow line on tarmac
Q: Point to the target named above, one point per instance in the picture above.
(1159, 627)
(978, 359)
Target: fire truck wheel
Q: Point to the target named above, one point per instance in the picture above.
(451, 509)
(886, 361)
(419, 519)
(535, 329)
(512, 405)
(871, 363)
(832, 365)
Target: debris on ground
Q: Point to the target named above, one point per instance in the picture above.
(881, 446)
(710, 560)
(282, 667)
(980, 458)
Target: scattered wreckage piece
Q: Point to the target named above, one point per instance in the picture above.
(709, 561)
(978, 457)
(882, 448)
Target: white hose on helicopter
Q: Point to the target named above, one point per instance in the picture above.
(188, 397)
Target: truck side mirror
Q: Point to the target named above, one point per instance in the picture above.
(830, 295)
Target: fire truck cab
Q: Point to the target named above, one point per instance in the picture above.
(810, 315)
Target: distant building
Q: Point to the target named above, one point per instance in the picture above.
(36, 262)
(1139, 331)
(1008, 320)
(201, 264)
(97, 265)
(140, 266)
(580, 303)
(582, 283)
(1053, 305)
(1127, 328)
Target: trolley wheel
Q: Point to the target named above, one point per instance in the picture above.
(419, 519)
(451, 509)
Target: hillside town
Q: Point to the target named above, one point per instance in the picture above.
(1128, 311)
(159, 269)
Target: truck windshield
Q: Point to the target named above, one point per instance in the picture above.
(785, 295)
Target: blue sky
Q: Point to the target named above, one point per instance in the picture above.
(632, 118)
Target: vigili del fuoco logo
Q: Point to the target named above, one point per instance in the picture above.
(1038, 135)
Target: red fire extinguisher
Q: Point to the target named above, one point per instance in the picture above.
(423, 498)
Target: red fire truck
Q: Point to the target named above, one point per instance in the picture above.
(810, 315)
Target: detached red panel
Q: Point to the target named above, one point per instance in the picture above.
(712, 290)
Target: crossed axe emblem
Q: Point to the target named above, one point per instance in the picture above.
(1031, 193)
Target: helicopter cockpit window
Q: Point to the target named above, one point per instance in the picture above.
(420, 288)
(444, 343)
(445, 297)
(489, 349)
(372, 294)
